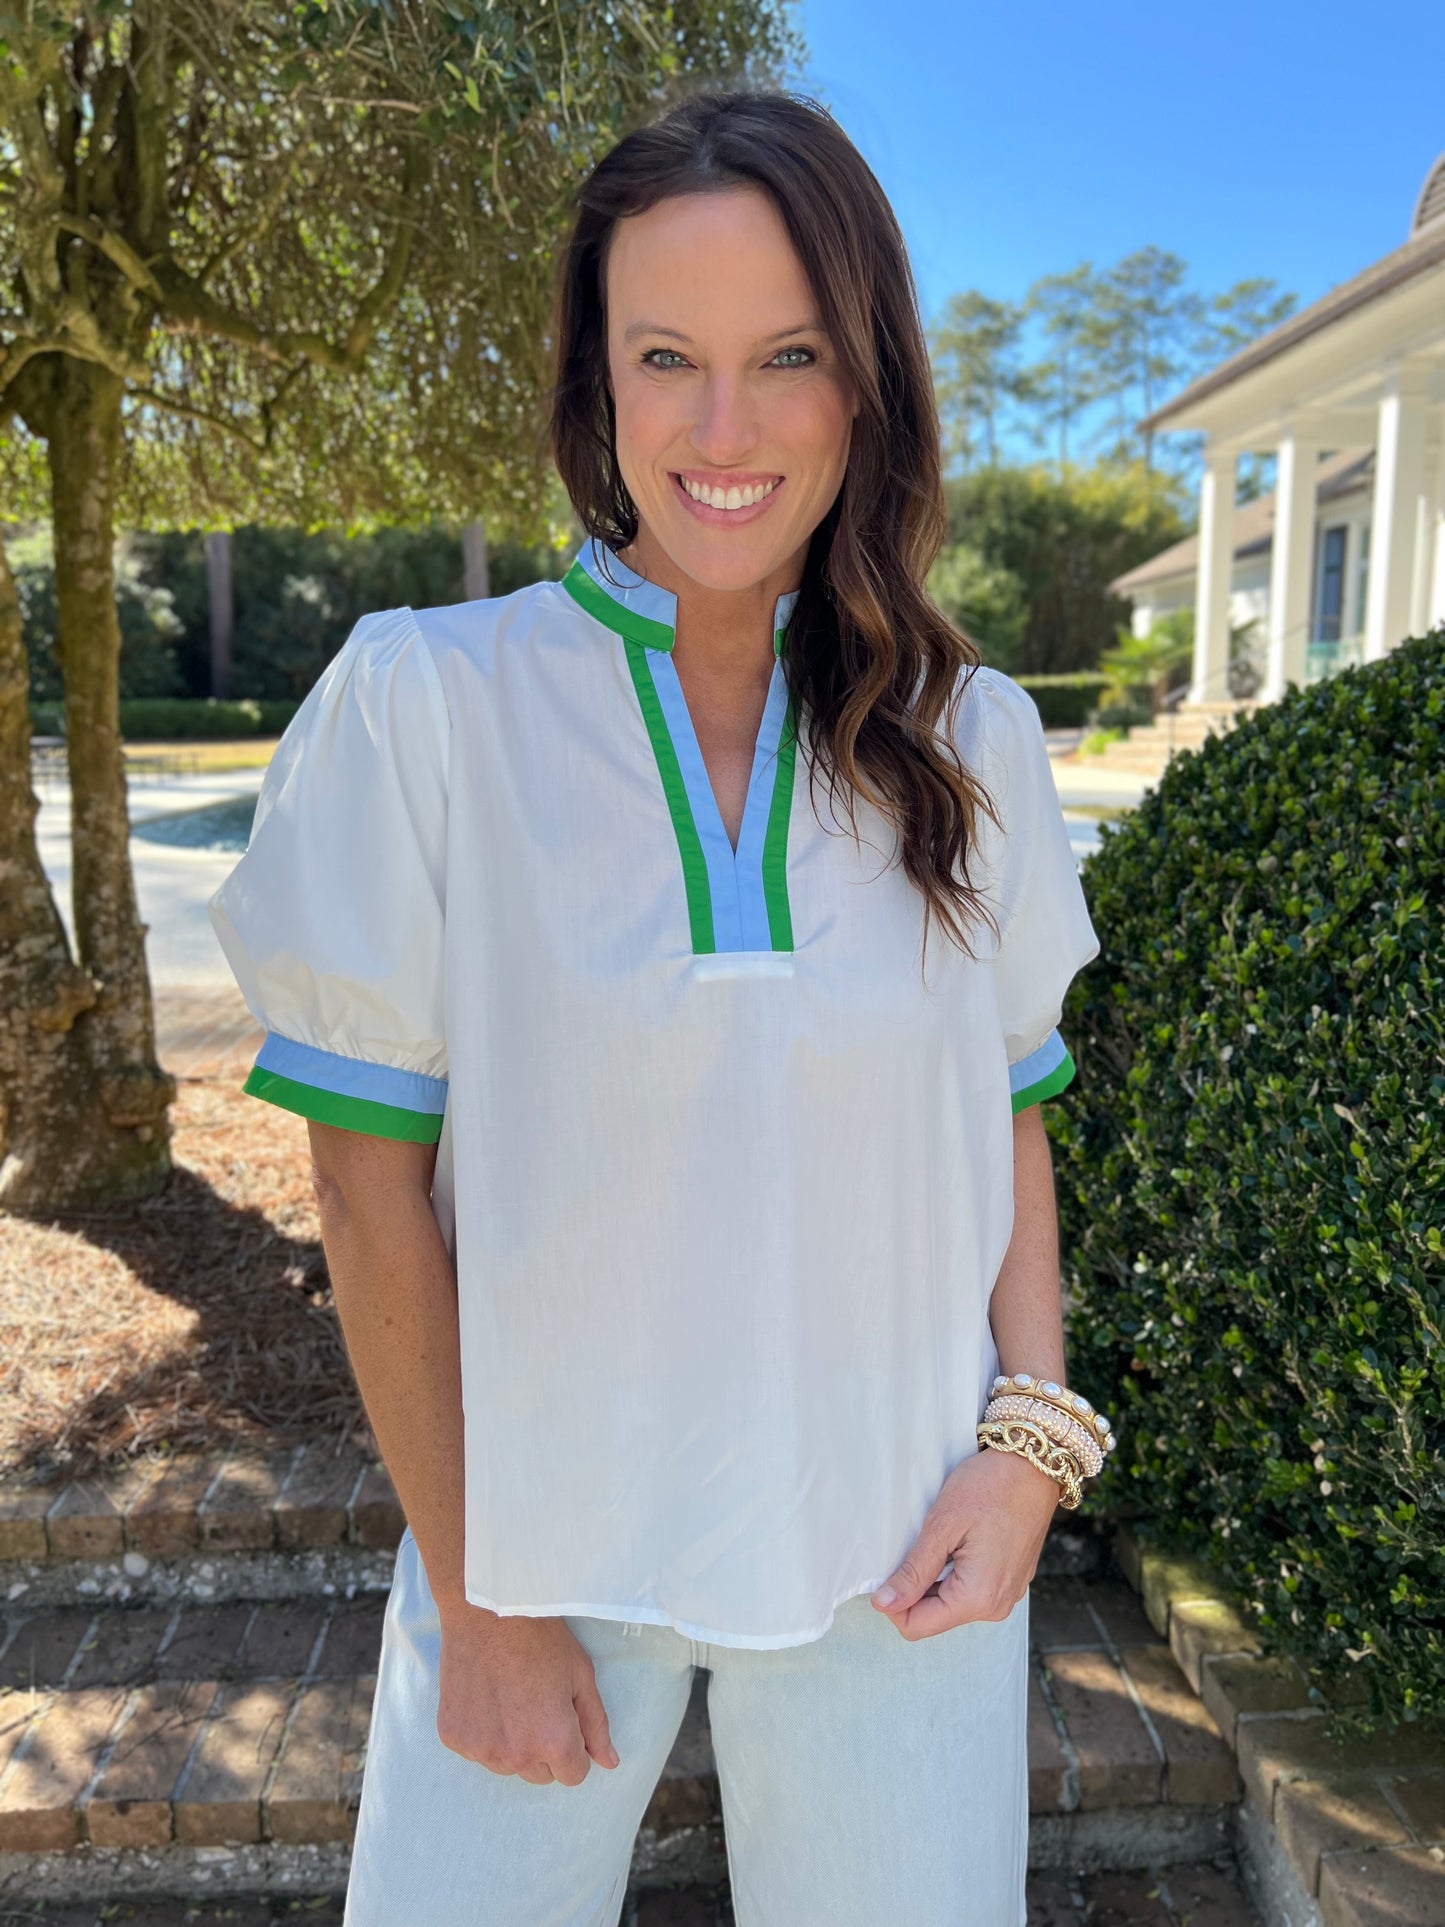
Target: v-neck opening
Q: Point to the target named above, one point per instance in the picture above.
(735, 876)
(737, 898)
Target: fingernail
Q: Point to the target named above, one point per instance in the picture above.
(613, 1751)
(885, 1596)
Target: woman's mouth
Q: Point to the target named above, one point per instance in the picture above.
(727, 503)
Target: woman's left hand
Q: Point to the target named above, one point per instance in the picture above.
(990, 1518)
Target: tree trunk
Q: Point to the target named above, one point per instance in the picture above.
(87, 1101)
(476, 574)
(41, 990)
(221, 603)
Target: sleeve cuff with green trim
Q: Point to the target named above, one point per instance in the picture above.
(376, 1099)
(1043, 1073)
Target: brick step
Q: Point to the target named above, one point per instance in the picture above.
(247, 1525)
(1201, 1895)
(138, 1744)
(246, 1500)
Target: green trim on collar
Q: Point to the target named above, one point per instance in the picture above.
(624, 622)
(674, 788)
(775, 839)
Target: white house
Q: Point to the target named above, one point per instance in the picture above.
(1347, 557)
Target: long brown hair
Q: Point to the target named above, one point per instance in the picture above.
(879, 666)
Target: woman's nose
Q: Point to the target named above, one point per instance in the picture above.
(726, 427)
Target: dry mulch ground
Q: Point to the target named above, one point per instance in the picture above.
(200, 1314)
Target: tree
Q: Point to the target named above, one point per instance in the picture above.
(1240, 315)
(1141, 337)
(260, 260)
(975, 348)
(985, 600)
(1063, 384)
(1064, 542)
(1155, 662)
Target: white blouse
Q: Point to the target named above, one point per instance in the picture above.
(726, 1184)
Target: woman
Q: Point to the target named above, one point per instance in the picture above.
(649, 1131)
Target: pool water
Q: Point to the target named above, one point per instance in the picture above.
(219, 826)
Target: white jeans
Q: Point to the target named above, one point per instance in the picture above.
(864, 1778)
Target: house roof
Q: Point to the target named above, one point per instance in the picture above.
(1422, 251)
(1338, 475)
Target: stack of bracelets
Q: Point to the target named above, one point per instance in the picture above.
(1052, 1427)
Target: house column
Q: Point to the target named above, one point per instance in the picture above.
(1427, 603)
(1394, 514)
(1214, 579)
(1291, 569)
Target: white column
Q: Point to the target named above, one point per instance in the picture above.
(1216, 572)
(1426, 606)
(1394, 514)
(1291, 570)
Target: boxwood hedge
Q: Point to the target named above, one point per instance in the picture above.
(1251, 1174)
(182, 719)
(1068, 701)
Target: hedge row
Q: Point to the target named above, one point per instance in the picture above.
(1251, 1172)
(181, 719)
(1065, 702)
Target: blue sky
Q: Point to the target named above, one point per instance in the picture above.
(1020, 138)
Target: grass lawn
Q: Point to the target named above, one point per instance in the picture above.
(210, 758)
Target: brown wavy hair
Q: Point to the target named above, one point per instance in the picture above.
(879, 666)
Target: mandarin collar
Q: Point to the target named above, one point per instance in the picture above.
(638, 609)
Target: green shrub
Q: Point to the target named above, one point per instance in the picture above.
(1120, 713)
(1064, 702)
(1251, 1174)
(181, 718)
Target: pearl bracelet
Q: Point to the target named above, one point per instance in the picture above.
(1071, 1403)
(1062, 1427)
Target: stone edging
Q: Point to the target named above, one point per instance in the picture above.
(1357, 1831)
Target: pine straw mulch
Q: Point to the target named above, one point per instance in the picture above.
(193, 1318)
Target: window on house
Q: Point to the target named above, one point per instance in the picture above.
(1330, 606)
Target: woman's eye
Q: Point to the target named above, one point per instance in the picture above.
(649, 358)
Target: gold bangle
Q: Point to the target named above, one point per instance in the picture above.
(1025, 1438)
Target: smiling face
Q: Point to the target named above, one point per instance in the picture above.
(733, 414)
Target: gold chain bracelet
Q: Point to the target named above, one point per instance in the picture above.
(1022, 1436)
(1062, 1427)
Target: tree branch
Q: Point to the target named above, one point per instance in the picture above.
(191, 413)
(115, 250)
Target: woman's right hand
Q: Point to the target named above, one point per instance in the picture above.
(519, 1695)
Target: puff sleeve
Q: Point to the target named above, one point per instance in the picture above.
(333, 920)
(1045, 932)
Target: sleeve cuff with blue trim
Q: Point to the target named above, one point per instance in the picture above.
(1043, 1073)
(376, 1099)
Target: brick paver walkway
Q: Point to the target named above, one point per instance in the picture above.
(236, 1722)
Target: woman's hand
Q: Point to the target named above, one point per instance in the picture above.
(518, 1695)
(990, 1518)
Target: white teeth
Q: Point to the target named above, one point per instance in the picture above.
(732, 498)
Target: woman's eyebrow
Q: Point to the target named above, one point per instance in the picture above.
(676, 334)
